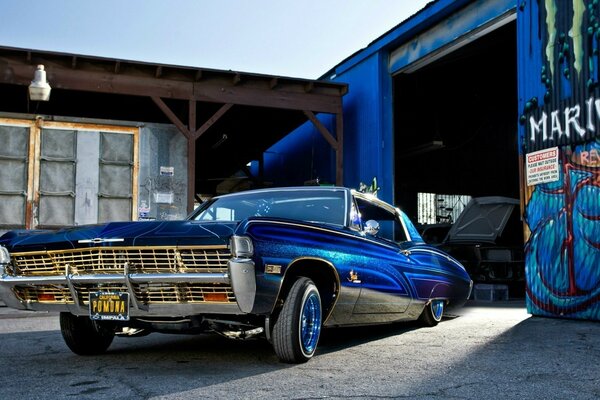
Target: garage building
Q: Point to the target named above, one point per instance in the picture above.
(482, 98)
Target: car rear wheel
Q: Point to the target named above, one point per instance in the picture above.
(297, 330)
(84, 336)
(432, 313)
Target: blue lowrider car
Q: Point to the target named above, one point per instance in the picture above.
(280, 263)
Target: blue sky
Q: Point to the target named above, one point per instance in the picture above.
(298, 38)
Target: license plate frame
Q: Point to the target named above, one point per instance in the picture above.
(109, 306)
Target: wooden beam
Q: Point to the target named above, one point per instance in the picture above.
(321, 128)
(159, 72)
(74, 62)
(198, 75)
(309, 87)
(117, 67)
(208, 90)
(211, 121)
(273, 83)
(237, 78)
(172, 117)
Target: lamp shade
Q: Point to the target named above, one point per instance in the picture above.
(39, 89)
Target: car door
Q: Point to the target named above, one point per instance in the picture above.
(384, 290)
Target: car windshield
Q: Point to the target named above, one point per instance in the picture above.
(326, 206)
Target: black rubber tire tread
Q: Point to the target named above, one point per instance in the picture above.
(426, 318)
(286, 340)
(84, 336)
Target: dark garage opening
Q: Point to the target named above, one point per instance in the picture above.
(456, 134)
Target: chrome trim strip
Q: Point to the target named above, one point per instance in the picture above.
(159, 310)
(316, 259)
(117, 278)
(357, 237)
(100, 240)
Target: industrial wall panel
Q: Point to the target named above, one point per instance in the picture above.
(162, 174)
(559, 99)
(13, 175)
(57, 168)
(86, 181)
(114, 209)
(56, 211)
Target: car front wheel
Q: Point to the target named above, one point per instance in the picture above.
(297, 330)
(84, 336)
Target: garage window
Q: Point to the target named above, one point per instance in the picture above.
(440, 208)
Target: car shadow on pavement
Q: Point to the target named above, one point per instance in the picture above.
(336, 339)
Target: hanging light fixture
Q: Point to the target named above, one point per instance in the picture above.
(39, 89)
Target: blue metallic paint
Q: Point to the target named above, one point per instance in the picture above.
(382, 267)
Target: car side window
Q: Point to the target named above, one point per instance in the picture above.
(390, 227)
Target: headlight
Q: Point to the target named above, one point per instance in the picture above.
(4, 259)
(241, 246)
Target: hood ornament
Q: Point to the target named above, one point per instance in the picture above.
(100, 240)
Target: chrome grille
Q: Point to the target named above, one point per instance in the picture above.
(154, 293)
(148, 293)
(51, 294)
(113, 259)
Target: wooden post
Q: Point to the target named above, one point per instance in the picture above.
(191, 186)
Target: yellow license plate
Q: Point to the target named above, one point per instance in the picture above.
(109, 306)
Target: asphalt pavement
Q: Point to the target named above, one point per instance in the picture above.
(489, 350)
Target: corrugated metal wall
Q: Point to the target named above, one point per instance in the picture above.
(368, 138)
(559, 99)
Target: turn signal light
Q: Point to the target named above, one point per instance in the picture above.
(215, 297)
(46, 297)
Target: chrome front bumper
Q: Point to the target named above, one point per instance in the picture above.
(240, 276)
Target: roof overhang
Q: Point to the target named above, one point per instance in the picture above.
(253, 111)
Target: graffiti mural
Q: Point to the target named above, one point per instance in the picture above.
(563, 250)
(563, 217)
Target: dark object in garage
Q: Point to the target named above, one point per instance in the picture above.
(487, 239)
(434, 233)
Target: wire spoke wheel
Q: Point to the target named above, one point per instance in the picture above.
(432, 313)
(297, 330)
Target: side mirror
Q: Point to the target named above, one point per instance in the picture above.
(371, 227)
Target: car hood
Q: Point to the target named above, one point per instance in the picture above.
(482, 220)
(147, 233)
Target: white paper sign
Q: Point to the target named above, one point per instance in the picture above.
(542, 166)
(163, 198)
(167, 171)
